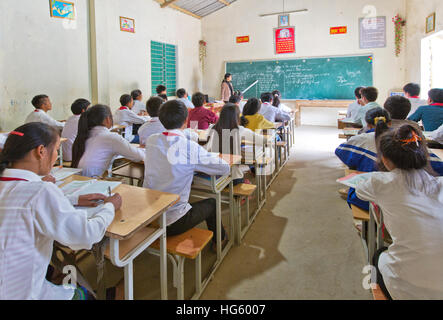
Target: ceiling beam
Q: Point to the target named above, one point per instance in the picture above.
(173, 6)
(167, 3)
(226, 3)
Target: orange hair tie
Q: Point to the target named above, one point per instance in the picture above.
(415, 138)
(16, 133)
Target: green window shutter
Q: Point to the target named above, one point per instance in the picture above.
(163, 67)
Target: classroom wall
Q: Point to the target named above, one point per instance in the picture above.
(417, 11)
(40, 54)
(312, 36)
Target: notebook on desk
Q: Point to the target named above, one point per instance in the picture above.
(354, 179)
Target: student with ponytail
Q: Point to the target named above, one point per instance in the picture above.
(96, 146)
(411, 200)
(252, 119)
(278, 104)
(34, 214)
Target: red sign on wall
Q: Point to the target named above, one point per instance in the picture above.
(243, 39)
(339, 30)
(284, 40)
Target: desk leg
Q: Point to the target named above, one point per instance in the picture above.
(371, 235)
(129, 281)
(99, 253)
(163, 260)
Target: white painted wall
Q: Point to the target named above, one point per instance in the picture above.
(312, 36)
(40, 54)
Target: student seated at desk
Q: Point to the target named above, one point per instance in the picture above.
(271, 113)
(71, 127)
(368, 97)
(437, 135)
(411, 200)
(183, 96)
(34, 214)
(412, 93)
(278, 104)
(162, 92)
(399, 107)
(354, 108)
(432, 114)
(237, 100)
(173, 172)
(226, 137)
(139, 107)
(200, 117)
(154, 125)
(96, 146)
(255, 120)
(42, 105)
(126, 117)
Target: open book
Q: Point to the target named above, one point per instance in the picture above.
(63, 173)
(354, 179)
(79, 188)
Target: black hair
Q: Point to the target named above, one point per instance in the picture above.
(412, 88)
(370, 93)
(266, 97)
(91, 118)
(173, 114)
(24, 139)
(276, 98)
(160, 88)
(135, 94)
(235, 99)
(357, 92)
(251, 107)
(436, 95)
(153, 106)
(125, 99)
(198, 99)
(79, 106)
(398, 106)
(164, 97)
(229, 120)
(379, 118)
(39, 100)
(227, 75)
(181, 93)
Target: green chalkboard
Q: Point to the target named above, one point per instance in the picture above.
(307, 78)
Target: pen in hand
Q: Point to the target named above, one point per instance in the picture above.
(109, 192)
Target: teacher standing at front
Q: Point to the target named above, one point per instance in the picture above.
(227, 90)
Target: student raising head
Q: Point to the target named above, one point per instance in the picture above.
(71, 127)
(354, 108)
(200, 117)
(173, 172)
(270, 112)
(412, 93)
(277, 102)
(411, 200)
(226, 137)
(399, 107)
(126, 117)
(139, 106)
(431, 115)
(42, 105)
(95, 146)
(34, 214)
(183, 96)
(162, 92)
(368, 97)
(254, 120)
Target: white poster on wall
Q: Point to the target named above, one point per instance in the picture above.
(372, 32)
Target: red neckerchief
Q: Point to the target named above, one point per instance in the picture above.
(437, 104)
(123, 108)
(11, 179)
(415, 97)
(170, 134)
(36, 110)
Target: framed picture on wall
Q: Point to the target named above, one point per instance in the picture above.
(127, 24)
(62, 9)
(283, 20)
(430, 23)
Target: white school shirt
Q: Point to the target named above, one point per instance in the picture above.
(187, 103)
(437, 135)
(39, 115)
(272, 113)
(154, 126)
(247, 134)
(3, 138)
(361, 115)
(353, 110)
(34, 214)
(138, 107)
(126, 117)
(412, 268)
(284, 108)
(170, 163)
(69, 132)
(102, 147)
(415, 104)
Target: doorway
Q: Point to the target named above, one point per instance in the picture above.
(432, 62)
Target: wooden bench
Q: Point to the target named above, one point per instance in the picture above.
(243, 191)
(377, 293)
(360, 214)
(188, 245)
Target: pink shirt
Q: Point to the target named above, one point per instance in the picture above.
(203, 117)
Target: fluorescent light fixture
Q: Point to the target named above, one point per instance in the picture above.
(286, 12)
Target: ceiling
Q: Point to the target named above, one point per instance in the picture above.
(196, 8)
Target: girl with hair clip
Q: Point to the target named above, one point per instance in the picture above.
(252, 119)
(278, 104)
(226, 137)
(96, 146)
(34, 214)
(411, 200)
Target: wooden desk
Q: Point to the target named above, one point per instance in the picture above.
(140, 208)
(318, 104)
